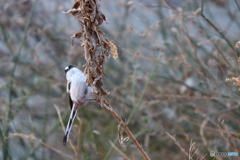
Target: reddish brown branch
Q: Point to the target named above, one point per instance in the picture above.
(125, 128)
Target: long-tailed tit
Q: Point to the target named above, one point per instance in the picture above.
(79, 93)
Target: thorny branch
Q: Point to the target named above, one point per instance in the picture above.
(96, 49)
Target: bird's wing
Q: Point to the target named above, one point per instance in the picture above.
(70, 101)
(69, 96)
(69, 125)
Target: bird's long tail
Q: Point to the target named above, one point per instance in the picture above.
(69, 125)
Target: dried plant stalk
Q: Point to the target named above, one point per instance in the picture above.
(91, 18)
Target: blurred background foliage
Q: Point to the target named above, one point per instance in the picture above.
(174, 58)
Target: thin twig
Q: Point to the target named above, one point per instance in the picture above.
(59, 117)
(215, 27)
(119, 151)
(178, 144)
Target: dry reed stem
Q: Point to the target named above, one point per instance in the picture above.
(119, 151)
(59, 117)
(63, 128)
(79, 135)
(96, 49)
(202, 132)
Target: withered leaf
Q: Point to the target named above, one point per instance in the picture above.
(76, 35)
(75, 12)
(76, 5)
(93, 14)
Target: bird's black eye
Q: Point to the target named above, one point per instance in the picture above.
(68, 68)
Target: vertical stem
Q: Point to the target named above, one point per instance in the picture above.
(9, 115)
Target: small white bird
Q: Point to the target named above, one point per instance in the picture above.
(79, 93)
